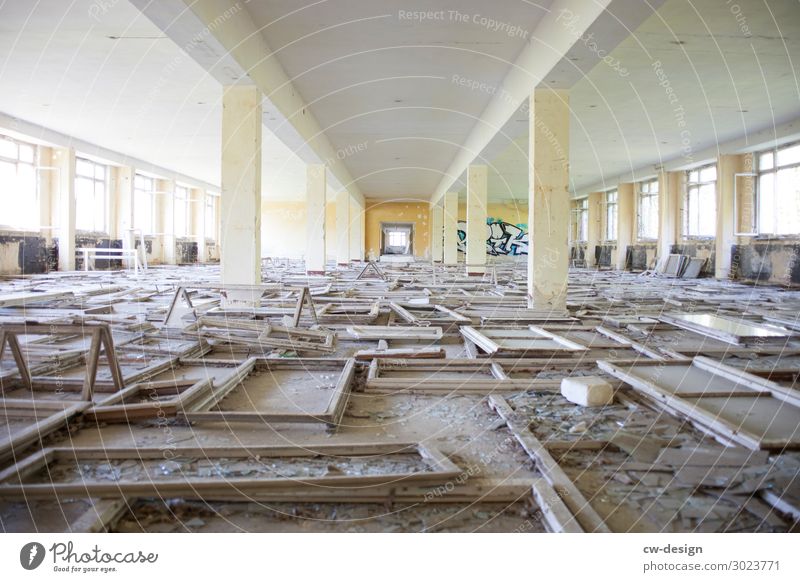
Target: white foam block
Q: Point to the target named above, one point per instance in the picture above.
(587, 391)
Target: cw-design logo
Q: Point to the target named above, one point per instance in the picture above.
(31, 555)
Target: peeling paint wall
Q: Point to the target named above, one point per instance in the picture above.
(605, 255)
(577, 252)
(771, 262)
(97, 242)
(698, 249)
(641, 256)
(24, 254)
(186, 251)
(212, 252)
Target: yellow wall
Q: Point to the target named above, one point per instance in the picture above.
(330, 231)
(283, 229)
(378, 211)
(283, 225)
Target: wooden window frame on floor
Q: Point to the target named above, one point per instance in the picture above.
(187, 392)
(470, 384)
(393, 332)
(219, 330)
(743, 385)
(13, 485)
(331, 415)
(485, 342)
(46, 417)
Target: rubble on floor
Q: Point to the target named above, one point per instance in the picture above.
(397, 397)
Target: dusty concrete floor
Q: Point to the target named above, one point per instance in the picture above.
(610, 452)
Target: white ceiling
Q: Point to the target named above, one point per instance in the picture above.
(728, 85)
(112, 78)
(382, 87)
(374, 77)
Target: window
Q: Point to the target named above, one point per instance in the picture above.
(398, 238)
(211, 216)
(581, 220)
(182, 207)
(19, 184)
(91, 191)
(778, 190)
(611, 214)
(143, 203)
(700, 202)
(648, 210)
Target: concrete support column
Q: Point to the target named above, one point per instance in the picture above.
(316, 188)
(669, 209)
(343, 227)
(166, 220)
(356, 230)
(548, 199)
(594, 235)
(477, 188)
(198, 231)
(437, 233)
(48, 189)
(241, 186)
(450, 224)
(64, 160)
(727, 168)
(626, 220)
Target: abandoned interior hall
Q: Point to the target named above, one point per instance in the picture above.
(399, 266)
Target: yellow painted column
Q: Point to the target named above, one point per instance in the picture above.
(437, 232)
(626, 220)
(240, 225)
(198, 196)
(477, 188)
(343, 227)
(165, 200)
(64, 160)
(727, 168)
(450, 251)
(357, 216)
(594, 235)
(548, 199)
(669, 212)
(316, 188)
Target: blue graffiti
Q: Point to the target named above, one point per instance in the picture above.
(503, 238)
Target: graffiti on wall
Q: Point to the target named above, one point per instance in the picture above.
(502, 238)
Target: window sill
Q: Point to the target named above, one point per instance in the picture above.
(15, 230)
(776, 238)
(95, 233)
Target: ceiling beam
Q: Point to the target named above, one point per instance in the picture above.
(221, 37)
(557, 32)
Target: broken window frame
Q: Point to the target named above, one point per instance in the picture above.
(647, 226)
(144, 188)
(612, 215)
(23, 205)
(210, 216)
(94, 207)
(772, 170)
(697, 188)
(580, 225)
(181, 223)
